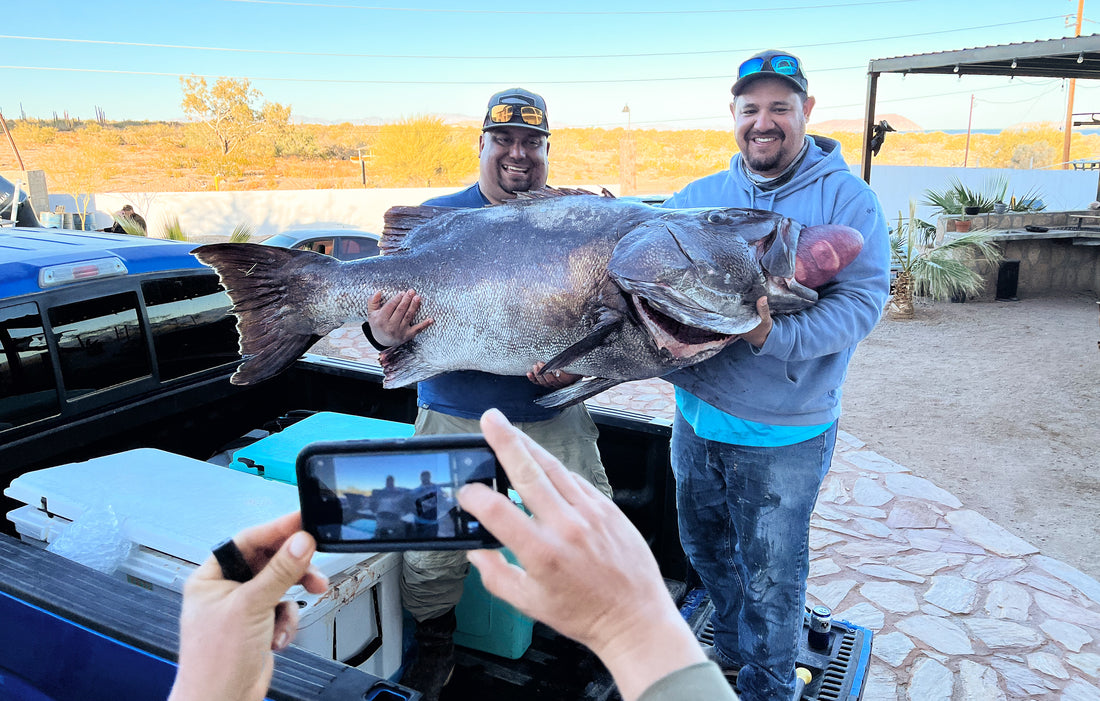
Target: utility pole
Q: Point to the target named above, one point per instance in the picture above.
(969, 121)
(1069, 99)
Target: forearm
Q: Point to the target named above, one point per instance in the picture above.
(638, 660)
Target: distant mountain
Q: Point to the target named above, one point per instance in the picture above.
(896, 121)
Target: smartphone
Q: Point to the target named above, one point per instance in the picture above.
(395, 493)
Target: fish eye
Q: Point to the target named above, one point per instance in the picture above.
(718, 218)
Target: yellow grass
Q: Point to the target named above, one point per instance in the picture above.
(166, 157)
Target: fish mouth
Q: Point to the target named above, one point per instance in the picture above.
(675, 337)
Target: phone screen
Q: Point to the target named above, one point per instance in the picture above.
(395, 495)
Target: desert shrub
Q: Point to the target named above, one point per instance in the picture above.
(32, 131)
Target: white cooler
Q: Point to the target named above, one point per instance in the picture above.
(175, 509)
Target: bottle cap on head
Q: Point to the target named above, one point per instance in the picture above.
(770, 64)
(516, 107)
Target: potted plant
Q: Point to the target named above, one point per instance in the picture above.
(941, 272)
(957, 198)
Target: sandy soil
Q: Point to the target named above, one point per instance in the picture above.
(998, 403)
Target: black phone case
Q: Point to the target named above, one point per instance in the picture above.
(309, 491)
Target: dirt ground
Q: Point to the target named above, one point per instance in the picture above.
(999, 404)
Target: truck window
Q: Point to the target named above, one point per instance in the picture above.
(100, 342)
(191, 326)
(27, 388)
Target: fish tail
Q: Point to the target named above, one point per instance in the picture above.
(268, 286)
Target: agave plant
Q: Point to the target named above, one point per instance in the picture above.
(173, 231)
(957, 196)
(939, 271)
(129, 226)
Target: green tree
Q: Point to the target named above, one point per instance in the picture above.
(231, 110)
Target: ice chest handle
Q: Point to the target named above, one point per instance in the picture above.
(273, 457)
(488, 624)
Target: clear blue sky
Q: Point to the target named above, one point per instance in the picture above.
(671, 62)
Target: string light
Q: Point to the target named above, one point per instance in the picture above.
(956, 68)
(1013, 64)
(1081, 57)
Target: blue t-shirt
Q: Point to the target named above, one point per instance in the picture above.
(469, 393)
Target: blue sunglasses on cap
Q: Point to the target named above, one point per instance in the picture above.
(780, 63)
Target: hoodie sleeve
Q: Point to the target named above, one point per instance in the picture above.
(850, 306)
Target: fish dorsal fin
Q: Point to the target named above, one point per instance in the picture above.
(400, 220)
(546, 192)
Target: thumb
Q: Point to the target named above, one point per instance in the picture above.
(284, 570)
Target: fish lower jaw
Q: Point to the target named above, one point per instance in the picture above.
(679, 340)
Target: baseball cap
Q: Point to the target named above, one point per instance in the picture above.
(516, 108)
(770, 63)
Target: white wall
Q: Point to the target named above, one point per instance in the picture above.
(1060, 189)
(205, 214)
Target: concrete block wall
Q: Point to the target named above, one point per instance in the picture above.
(1049, 267)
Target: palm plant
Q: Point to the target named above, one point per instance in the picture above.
(938, 271)
(242, 233)
(957, 196)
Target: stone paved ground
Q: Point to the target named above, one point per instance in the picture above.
(961, 608)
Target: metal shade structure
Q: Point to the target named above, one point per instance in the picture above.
(1072, 57)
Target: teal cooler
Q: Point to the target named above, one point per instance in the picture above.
(488, 624)
(274, 457)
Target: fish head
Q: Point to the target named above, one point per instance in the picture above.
(692, 289)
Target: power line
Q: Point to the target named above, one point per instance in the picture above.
(360, 81)
(569, 12)
(496, 57)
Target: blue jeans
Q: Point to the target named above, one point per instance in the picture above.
(744, 516)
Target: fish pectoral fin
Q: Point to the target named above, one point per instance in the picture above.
(577, 392)
(610, 320)
(403, 365)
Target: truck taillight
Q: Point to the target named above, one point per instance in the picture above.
(56, 275)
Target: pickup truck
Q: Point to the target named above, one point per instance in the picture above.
(112, 343)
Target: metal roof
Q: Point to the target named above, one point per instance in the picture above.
(1071, 57)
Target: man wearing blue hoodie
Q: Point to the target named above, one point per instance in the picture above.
(756, 425)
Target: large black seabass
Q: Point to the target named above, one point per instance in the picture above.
(613, 290)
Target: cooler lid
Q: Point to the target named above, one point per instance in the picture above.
(167, 502)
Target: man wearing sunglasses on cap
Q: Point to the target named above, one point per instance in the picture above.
(756, 425)
(514, 147)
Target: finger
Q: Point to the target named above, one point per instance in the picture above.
(374, 303)
(503, 579)
(421, 326)
(497, 513)
(401, 311)
(517, 455)
(314, 581)
(285, 569)
(413, 308)
(763, 309)
(286, 625)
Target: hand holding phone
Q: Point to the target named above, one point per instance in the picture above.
(395, 494)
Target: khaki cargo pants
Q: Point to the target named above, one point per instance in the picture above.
(431, 581)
